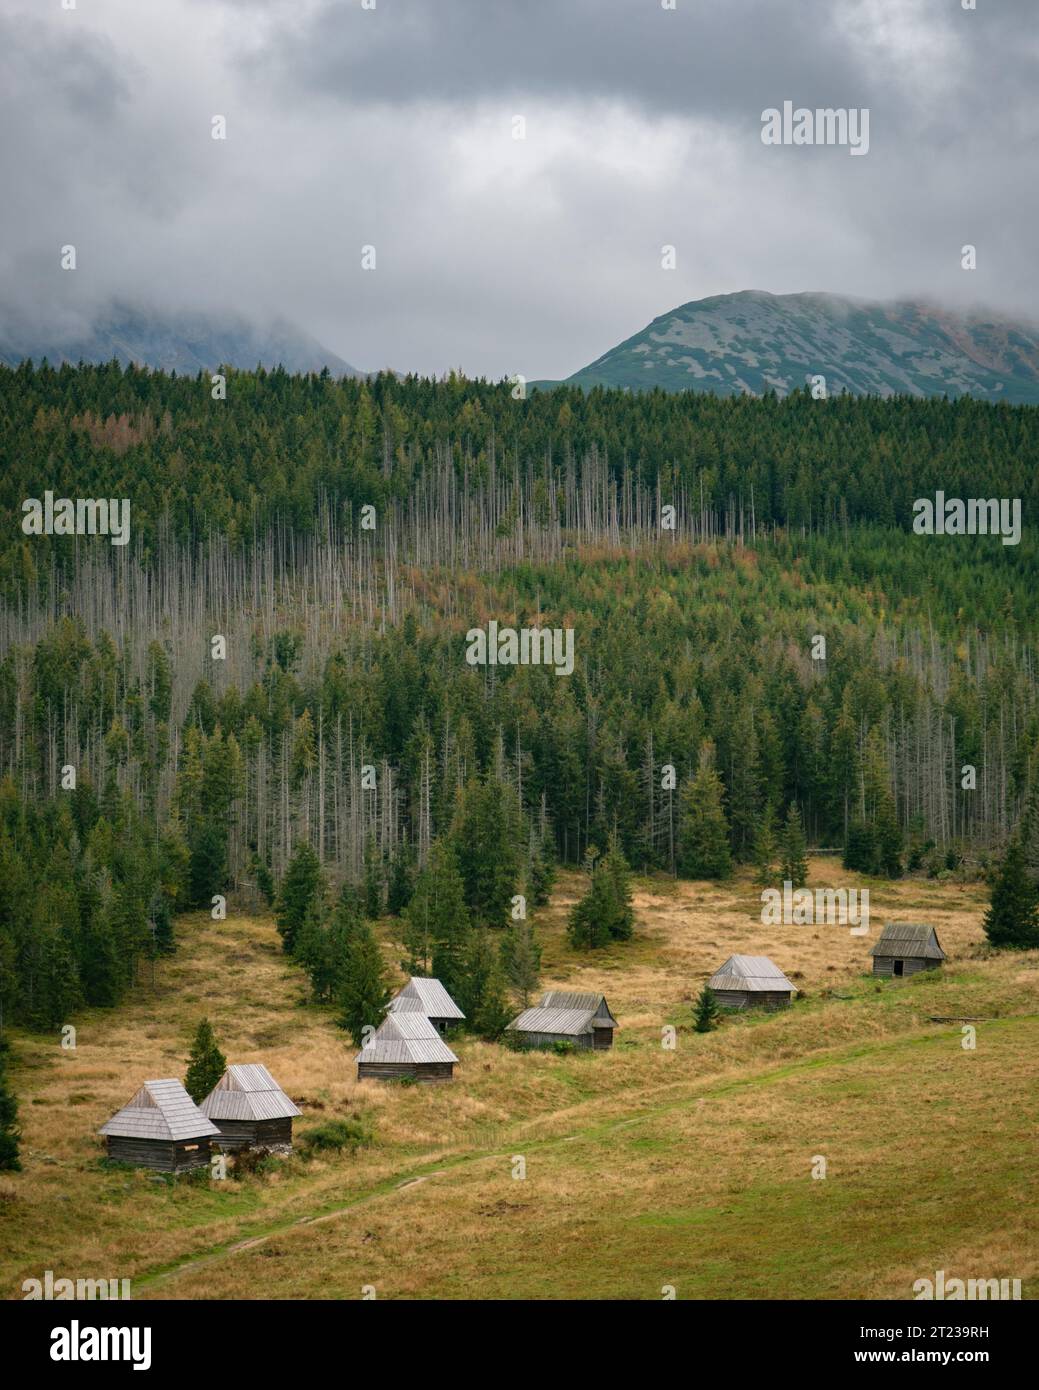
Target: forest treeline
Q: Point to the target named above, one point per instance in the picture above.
(253, 678)
(303, 453)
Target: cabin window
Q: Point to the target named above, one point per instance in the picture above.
(189, 1148)
(899, 967)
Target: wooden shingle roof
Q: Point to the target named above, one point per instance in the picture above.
(567, 1013)
(406, 1037)
(909, 941)
(160, 1110)
(753, 974)
(424, 996)
(564, 999)
(248, 1092)
(569, 1022)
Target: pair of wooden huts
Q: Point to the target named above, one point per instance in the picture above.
(582, 1020)
(429, 998)
(408, 1044)
(163, 1128)
(746, 982)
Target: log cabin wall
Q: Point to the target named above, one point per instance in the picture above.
(885, 965)
(397, 1071)
(581, 1040)
(254, 1134)
(752, 999)
(163, 1155)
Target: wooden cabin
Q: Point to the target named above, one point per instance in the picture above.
(250, 1110)
(404, 1045)
(751, 982)
(161, 1128)
(905, 948)
(429, 997)
(584, 1020)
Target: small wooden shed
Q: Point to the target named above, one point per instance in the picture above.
(583, 1020)
(905, 948)
(406, 1045)
(751, 982)
(162, 1128)
(250, 1110)
(429, 997)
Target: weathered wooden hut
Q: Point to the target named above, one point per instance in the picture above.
(250, 1110)
(584, 1020)
(751, 982)
(905, 948)
(429, 997)
(406, 1045)
(162, 1128)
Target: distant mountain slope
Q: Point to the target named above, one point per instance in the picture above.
(753, 342)
(182, 342)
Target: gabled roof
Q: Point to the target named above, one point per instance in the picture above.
(248, 1093)
(423, 996)
(565, 999)
(909, 940)
(406, 1037)
(160, 1110)
(569, 1022)
(566, 1012)
(753, 974)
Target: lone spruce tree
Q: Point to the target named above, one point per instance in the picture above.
(614, 867)
(208, 865)
(300, 889)
(436, 922)
(588, 925)
(314, 952)
(482, 994)
(766, 851)
(363, 993)
(541, 871)
(794, 866)
(206, 1065)
(486, 835)
(703, 830)
(1013, 916)
(706, 1011)
(521, 960)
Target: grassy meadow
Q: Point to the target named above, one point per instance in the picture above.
(645, 1166)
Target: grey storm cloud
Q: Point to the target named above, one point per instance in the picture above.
(719, 58)
(696, 59)
(392, 127)
(84, 71)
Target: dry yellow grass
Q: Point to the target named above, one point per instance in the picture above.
(640, 1161)
(712, 1194)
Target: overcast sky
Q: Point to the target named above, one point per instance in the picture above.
(393, 127)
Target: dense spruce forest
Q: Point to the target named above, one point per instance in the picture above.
(430, 452)
(266, 693)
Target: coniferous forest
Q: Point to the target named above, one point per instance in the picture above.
(265, 692)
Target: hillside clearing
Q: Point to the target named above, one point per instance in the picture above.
(644, 1166)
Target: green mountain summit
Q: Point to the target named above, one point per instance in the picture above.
(753, 342)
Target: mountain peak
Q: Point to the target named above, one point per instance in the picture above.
(752, 341)
(182, 341)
